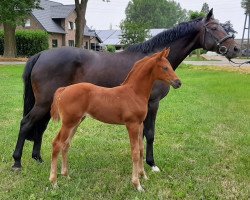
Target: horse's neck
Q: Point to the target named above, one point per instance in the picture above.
(181, 49)
(141, 81)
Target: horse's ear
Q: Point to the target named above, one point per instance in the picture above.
(209, 15)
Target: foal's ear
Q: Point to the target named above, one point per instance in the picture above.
(209, 15)
(167, 50)
(164, 53)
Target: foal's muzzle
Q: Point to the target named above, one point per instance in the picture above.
(176, 83)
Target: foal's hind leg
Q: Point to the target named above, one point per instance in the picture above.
(65, 149)
(61, 143)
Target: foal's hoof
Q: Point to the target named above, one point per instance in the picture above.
(38, 159)
(140, 188)
(155, 169)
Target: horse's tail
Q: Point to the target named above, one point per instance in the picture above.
(28, 96)
(54, 112)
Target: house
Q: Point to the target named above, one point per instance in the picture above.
(58, 21)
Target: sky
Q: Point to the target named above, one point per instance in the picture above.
(103, 15)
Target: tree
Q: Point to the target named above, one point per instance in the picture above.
(12, 14)
(81, 20)
(194, 15)
(205, 8)
(149, 14)
(246, 5)
(133, 33)
(228, 27)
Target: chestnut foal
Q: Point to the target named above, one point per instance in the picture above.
(126, 104)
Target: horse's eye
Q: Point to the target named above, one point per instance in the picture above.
(165, 69)
(214, 28)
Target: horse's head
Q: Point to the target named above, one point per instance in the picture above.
(164, 71)
(213, 37)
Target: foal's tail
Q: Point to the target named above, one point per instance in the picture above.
(54, 112)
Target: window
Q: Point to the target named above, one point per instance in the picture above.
(71, 25)
(27, 23)
(71, 43)
(54, 43)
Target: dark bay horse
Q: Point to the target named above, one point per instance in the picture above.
(126, 104)
(49, 70)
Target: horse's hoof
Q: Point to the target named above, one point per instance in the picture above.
(38, 159)
(17, 167)
(155, 169)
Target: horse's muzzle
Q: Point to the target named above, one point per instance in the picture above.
(176, 83)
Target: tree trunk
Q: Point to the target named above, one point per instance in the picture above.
(80, 21)
(9, 41)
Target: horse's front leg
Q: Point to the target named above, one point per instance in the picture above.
(149, 133)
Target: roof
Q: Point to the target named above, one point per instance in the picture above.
(110, 37)
(44, 16)
(61, 11)
(114, 37)
(91, 33)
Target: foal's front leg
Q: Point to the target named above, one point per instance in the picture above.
(142, 172)
(133, 130)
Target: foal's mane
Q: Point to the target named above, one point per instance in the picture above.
(166, 37)
(137, 66)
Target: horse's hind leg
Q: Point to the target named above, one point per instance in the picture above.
(26, 127)
(40, 127)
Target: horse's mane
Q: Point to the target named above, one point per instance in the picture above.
(166, 37)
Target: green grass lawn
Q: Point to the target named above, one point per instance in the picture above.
(202, 145)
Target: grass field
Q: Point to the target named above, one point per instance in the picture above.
(202, 145)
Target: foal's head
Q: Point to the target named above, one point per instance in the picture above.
(163, 69)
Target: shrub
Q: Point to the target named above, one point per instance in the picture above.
(28, 42)
(111, 48)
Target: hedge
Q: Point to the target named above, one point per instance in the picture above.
(28, 42)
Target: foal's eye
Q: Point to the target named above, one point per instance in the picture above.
(165, 69)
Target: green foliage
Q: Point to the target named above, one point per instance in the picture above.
(202, 145)
(133, 33)
(14, 12)
(195, 14)
(29, 42)
(147, 14)
(246, 5)
(111, 48)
